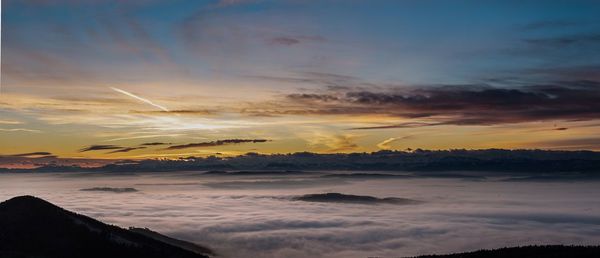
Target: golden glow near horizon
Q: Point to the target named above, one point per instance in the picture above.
(198, 82)
(63, 126)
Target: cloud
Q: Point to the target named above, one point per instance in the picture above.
(115, 148)
(20, 130)
(566, 41)
(343, 143)
(284, 41)
(154, 143)
(140, 98)
(242, 224)
(178, 111)
(127, 149)
(228, 3)
(32, 154)
(143, 135)
(550, 24)
(386, 145)
(587, 143)
(582, 73)
(292, 183)
(312, 97)
(10, 122)
(573, 49)
(331, 142)
(100, 147)
(283, 225)
(116, 31)
(330, 81)
(293, 40)
(546, 218)
(215, 143)
(401, 125)
(464, 104)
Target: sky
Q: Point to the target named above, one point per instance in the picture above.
(102, 79)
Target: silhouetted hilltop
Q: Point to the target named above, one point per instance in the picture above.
(349, 198)
(548, 251)
(32, 227)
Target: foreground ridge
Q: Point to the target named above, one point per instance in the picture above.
(32, 227)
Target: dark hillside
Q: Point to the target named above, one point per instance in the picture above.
(32, 227)
(548, 251)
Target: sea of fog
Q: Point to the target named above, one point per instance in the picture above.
(257, 216)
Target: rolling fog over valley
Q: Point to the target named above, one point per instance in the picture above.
(262, 214)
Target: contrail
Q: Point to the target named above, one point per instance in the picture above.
(139, 98)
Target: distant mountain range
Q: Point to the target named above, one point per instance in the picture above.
(31, 227)
(414, 160)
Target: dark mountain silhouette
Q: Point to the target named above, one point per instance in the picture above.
(255, 173)
(580, 164)
(32, 227)
(548, 251)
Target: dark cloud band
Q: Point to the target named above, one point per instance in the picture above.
(466, 105)
(100, 147)
(215, 143)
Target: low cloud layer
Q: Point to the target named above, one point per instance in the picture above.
(266, 223)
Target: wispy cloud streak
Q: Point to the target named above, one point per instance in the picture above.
(19, 130)
(10, 122)
(387, 144)
(140, 98)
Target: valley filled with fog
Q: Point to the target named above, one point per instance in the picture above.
(280, 214)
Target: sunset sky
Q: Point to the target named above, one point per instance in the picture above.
(145, 79)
